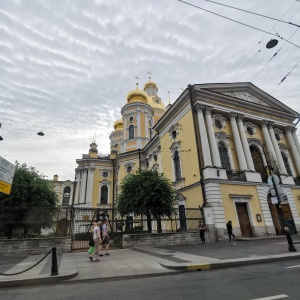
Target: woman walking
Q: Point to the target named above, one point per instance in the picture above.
(230, 234)
(202, 229)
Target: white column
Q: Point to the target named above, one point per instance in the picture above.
(294, 149)
(269, 145)
(294, 131)
(237, 142)
(79, 174)
(276, 148)
(90, 183)
(203, 136)
(138, 123)
(83, 186)
(147, 133)
(212, 138)
(245, 143)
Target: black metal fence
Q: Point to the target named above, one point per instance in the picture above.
(34, 222)
(78, 223)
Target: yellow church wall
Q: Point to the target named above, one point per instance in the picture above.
(193, 197)
(188, 152)
(229, 204)
(296, 196)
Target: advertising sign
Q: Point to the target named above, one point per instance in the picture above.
(7, 171)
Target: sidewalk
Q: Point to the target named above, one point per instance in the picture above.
(125, 263)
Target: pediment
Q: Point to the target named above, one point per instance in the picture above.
(248, 95)
(245, 95)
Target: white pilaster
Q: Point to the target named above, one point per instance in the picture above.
(138, 123)
(276, 148)
(245, 143)
(269, 145)
(83, 186)
(89, 192)
(77, 192)
(147, 133)
(294, 149)
(212, 138)
(237, 142)
(294, 131)
(203, 136)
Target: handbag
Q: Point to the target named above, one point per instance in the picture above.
(91, 242)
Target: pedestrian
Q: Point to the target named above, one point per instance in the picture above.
(97, 239)
(105, 238)
(202, 229)
(290, 223)
(230, 234)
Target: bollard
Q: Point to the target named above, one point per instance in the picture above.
(54, 267)
(290, 241)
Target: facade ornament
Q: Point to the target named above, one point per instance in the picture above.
(174, 131)
(264, 123)
(232, 115)
(199, 107)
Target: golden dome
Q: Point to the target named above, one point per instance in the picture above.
(150, 83)
(137, 96)
(118, 125)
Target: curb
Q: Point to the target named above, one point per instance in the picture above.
(37, 279)
(233, 262)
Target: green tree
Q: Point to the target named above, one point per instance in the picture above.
(147, 193)
(32, 200)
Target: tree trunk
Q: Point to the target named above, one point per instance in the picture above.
(149, 223)
(159, 224)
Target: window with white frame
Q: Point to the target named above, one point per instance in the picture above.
(131, 132)
(104, 195)
(66, 195)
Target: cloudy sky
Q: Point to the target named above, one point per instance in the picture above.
(67, 65)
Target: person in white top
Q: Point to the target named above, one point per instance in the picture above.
(96, 238)
(105, 238)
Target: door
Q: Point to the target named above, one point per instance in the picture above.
(275, 216)
(244, 220)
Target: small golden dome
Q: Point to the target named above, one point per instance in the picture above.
(137, 96)
(118, 125)
(150, 83)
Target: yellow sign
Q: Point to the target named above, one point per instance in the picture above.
(5, 187)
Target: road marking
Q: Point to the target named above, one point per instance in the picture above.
(273, 297)
(293, 267)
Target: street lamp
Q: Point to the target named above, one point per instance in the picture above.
(271, 43)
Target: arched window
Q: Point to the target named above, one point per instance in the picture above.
(286, 163)
(258, 163)
(131, 132)
(104, 194)
(225, 162)
(177, 166)
(66, 195)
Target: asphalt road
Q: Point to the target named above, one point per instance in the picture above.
(266, 281)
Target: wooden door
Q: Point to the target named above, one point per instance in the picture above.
(244, 221)
(275, 216)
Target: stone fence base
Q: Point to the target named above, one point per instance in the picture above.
(23, 247)
(164, 239)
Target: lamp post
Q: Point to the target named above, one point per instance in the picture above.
(275, 180)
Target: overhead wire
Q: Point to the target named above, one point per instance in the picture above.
(253, 13)
(273, 27)
(18, 113)
(273, 56)
(241, 23)
(285, 77)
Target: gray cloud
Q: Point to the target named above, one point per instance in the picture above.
(67, 65)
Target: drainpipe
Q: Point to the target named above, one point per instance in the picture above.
(198, 144)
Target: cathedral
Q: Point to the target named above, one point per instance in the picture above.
(229, 148)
